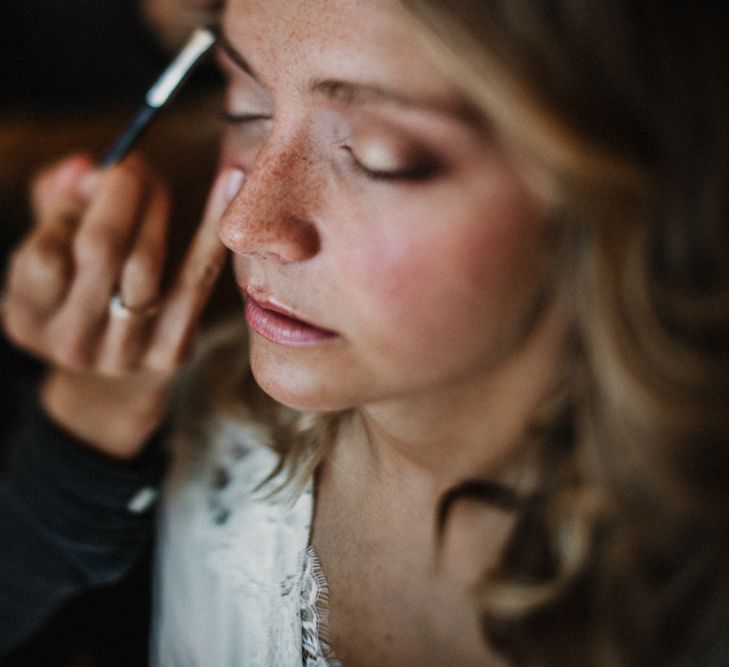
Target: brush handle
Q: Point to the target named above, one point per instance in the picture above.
(126, 140)
(163, 90)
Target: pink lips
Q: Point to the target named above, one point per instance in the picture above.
(278, 327)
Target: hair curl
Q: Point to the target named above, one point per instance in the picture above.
(618, 556)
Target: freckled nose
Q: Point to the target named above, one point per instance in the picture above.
(284, 238)
(260, 221)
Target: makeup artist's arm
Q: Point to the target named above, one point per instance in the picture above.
(98, 233)
(71, 521)
(75, 498)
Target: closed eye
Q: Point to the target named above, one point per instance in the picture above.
(241, 118)
(417, 172)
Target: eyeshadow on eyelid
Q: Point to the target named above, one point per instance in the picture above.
(378, 155)
(390, 153)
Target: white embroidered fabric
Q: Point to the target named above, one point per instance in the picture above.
(238, 582)
(315, 615)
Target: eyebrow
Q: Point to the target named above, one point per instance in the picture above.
(347, 92)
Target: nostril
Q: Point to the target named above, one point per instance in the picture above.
(289, 239)
(304, 239)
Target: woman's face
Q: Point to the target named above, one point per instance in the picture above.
(402, 246)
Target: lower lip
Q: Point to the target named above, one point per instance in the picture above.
(281, 329)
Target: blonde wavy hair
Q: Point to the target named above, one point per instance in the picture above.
(621, 108)
(619, 554)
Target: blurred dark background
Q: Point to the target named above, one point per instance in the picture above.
(71, 74)
(67, 69)
(69, 53)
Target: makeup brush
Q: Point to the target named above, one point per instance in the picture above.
(161, 92)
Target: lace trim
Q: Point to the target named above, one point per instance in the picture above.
(316, 650)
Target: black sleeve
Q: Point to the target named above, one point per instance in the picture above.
(69, 521)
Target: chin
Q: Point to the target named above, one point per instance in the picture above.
(298, 390)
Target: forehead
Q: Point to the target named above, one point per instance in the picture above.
(317, 16)
(367, 41)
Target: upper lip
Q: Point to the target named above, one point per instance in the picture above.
(271, 303)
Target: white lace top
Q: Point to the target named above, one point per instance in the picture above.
(237, 582)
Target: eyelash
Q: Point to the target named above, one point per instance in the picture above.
(240, 119)
(420, 172)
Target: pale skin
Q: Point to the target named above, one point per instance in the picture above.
(398, 225)
(430, 284)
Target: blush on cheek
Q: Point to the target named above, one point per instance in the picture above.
(508, 247)
(402, 302)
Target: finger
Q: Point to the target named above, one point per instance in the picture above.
(39, 273)
(123, 343)
(39, 270)
(42, 261)
(33, 294)
(139, 283)
(182, 307)
(127, 328)
(60, 181)
(99, 250)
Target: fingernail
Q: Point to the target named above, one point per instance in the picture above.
(233, 182)
(71, 170)
(88, 184)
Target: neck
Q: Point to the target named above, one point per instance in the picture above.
(470, 428)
